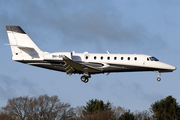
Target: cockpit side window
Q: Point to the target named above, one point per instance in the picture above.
(153, 59)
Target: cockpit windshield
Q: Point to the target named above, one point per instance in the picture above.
(153, 59)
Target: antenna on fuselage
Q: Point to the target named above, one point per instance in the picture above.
(107, 52)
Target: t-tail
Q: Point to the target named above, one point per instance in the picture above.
(22, 47)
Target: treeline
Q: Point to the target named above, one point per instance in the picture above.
(51, 108)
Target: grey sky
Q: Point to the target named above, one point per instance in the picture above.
(145, 27)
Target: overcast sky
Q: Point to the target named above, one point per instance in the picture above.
(119, 26)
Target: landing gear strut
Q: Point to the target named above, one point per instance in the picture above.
(159, 76)
(84, 79)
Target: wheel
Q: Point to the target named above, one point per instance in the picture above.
(158, 79)
(83, 78)
(86, 80)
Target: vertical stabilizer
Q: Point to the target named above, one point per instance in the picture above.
(23, 48)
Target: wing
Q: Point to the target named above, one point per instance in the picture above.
(70, 66)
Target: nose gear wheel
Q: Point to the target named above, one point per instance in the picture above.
(158, 79)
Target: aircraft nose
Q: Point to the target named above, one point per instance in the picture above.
(172, 67)
(168, 67)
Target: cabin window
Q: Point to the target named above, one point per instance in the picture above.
(16, 53)
(122, 58)
(101, 57)
(108, 58)
(147, 59)
(128, 58)
(95, 57)
(135, 58)
(86, 57)
(115, 58)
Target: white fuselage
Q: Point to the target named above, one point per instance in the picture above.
(112, 62)
(26, 51)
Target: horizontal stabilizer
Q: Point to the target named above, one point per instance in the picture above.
(20, 46)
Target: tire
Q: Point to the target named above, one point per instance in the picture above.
(83, 78)
(86, 80)
(158, 79)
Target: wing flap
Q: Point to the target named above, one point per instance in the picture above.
(69, 70)
(71, 65)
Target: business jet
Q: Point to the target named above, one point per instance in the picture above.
(24, 50)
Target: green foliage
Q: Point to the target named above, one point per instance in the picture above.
(166, 109)
(127, 116)
(97, 110)
(94, 106)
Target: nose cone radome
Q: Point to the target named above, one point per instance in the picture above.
(167, 68)
(173, 68)
(170, 67)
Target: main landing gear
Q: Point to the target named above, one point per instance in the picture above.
(84, 79)
(86, 76)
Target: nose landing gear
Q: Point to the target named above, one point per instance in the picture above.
(158, 79)
(159, 76)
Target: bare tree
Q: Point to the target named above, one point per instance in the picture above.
(5, 116)
(144, 115)
(78, 111)
(43, 107)
(118, 111)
